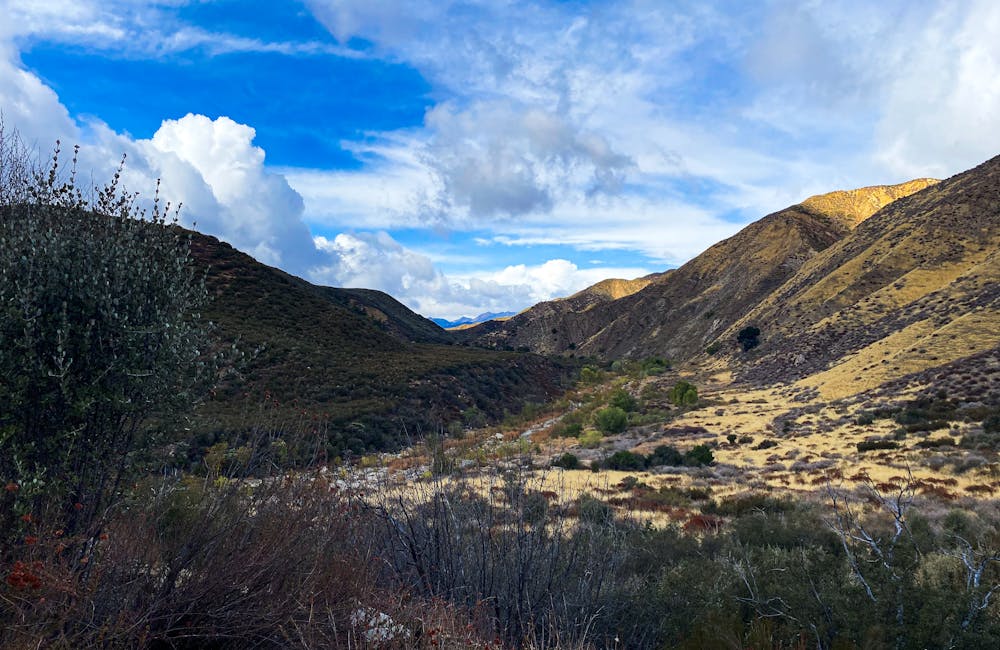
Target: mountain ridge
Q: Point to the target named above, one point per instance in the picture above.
(678, 313)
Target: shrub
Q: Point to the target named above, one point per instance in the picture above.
(683, 394)
(698, 456)
(748, 337)
(567, 461)
(100, 327)
(611, 420)
(665, 455)
(623, 400)
(655, 366)
(625, 461)
(871, 445)
(590, 438)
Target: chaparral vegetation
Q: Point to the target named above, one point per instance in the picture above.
(614, 517)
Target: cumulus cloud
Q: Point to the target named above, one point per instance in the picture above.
(377, 261)
(497, 158)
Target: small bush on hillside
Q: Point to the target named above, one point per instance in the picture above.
(655, 366)
(699, 456)
(684, 394)
(665, 455)
(590, 438)
(623, 400)
(625, 461)
(611, 420)
(567, 461)
(748, 337)
(872, 445)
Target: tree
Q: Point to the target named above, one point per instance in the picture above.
(748, 337)
(100, 327)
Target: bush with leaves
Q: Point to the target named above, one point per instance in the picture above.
(748, 337)
(611, 420)
(623, 400)
(684, 394)
(99, 321)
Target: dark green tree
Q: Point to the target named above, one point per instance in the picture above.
(748, 337)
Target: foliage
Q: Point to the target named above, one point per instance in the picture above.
(665, 455)
(590, 438)
(699, 455)
(684, 394)
(622, 399)
(748, 337)
(625, 461)
(99, 320)
(567, 461)
(655, 366)
(611, 420)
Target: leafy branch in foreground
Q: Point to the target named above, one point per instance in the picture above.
(100, 327)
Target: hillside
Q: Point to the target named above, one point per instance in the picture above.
(915, 286)
(553, 326)
(355, 358)
(677, 314)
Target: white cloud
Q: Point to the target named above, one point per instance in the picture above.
(942, 109)
(498, 158)
(627, 126)
(377, 261)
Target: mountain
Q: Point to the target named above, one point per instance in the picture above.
(553, 326)
(915, 286)
(355, 358)
(474, 320)
(678, 313)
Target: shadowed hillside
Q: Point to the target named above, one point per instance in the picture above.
(356, 358)
(554, 326)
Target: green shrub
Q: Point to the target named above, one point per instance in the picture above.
(611, 420)
(100, 331)
(655, 366)
(623, 400)
(683, 394)
(590, 438)
(665, 455)
(625, 461)
(567, 461)
(871, 445)
(698, 456)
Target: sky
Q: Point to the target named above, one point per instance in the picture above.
(482, 156)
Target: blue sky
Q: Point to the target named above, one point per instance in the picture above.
(482, 156)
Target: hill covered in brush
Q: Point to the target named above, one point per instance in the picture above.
(355, 358)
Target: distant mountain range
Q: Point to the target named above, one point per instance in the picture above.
(474, 320)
